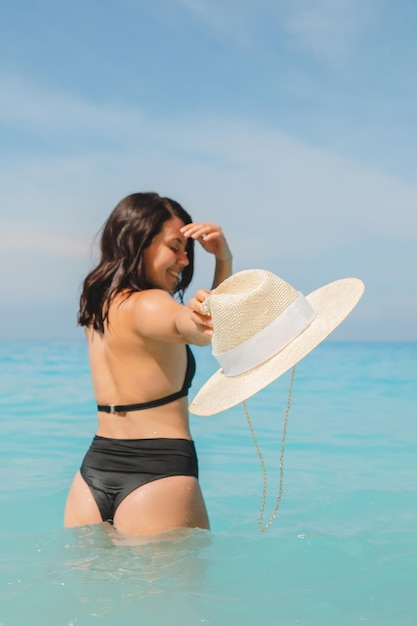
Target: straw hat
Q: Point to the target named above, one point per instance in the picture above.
(262, 328)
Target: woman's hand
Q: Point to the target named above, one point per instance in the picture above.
(200, 316)
(211, 238)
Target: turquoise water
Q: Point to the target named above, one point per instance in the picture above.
(342, 549)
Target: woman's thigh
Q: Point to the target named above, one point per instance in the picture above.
(81, 508)
(161, 505)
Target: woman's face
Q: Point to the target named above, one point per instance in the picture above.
(165, 258)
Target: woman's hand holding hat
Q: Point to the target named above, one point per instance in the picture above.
(200, 314)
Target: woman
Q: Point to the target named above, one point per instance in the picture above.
(141, 472)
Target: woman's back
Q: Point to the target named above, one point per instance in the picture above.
(129, 368)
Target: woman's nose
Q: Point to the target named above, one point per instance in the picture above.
(183, 259)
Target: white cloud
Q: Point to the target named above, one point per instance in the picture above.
(238, 166)
(233, 19)
(60, 245)
(302, 212)
(327, 28)
(27, 106)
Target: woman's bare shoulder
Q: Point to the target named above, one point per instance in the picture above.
(149, 313)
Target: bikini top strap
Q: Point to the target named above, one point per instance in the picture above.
(125, 408)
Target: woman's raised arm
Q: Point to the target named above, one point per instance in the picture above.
(212, 239)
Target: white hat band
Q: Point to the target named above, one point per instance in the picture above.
(268, 341)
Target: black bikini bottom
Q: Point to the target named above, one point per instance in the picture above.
(113, 468)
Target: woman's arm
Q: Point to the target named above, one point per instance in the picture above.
(156, 315)
(211, 238)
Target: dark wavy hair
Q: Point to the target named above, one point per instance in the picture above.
(128, 231)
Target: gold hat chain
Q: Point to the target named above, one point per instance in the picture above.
(261, 526)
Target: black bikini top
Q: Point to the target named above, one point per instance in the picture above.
(124, 408)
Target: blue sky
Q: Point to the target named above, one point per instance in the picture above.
(292, 123)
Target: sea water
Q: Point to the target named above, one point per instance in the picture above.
(342, 549)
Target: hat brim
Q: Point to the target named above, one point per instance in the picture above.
(332, 304)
